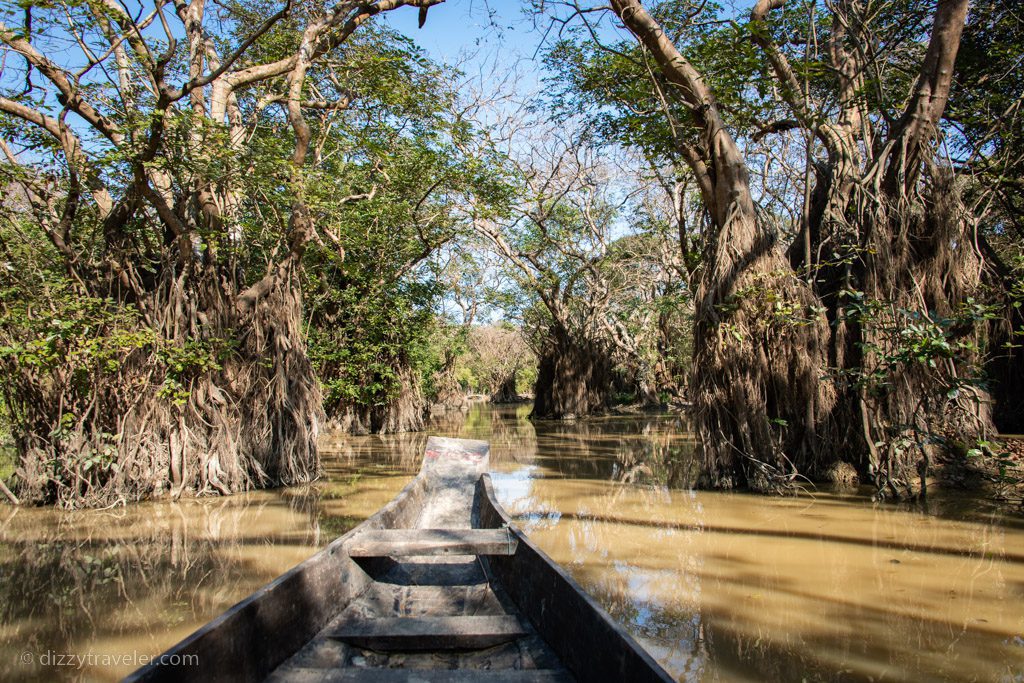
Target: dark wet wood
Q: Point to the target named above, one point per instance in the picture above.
(586, 638)
(430, 612)
(424, 675)
(433, 587)
(430, 633)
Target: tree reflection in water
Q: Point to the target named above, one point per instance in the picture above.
(138, 579)
(739, 587)
(718, 586)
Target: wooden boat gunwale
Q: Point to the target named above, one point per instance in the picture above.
(611, 653)
(259, 635)
(219, 660)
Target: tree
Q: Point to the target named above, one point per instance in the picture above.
(986, 136)
(811, 326)
(587, 297)
(465, 271)
(496, 355)
(170, 354)
(373, 282)
(646, 305)
(551, 229)
(898, 278)
(756, 339)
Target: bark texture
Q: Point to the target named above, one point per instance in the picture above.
(405, 411)
(884, 250)
(573, 379)
(178, 371)
(759, 405)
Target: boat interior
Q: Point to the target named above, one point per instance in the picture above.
(429, 607)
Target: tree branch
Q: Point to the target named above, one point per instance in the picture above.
(919, 123)
(70, 144)
(68, 94)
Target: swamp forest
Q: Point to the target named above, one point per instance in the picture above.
(734, 289)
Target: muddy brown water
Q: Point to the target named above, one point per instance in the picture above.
(717, 586)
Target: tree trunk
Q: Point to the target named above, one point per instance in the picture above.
(920, 265)
(573, 379)
(506, 391)
(162, 370)
(760, 404)
(194, 397)
(907, 269)
(902, 265)
(405, 411)
(448, 394)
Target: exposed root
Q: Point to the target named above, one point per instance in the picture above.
(913, 353)
(574, 378)
(185, 399)
(404, 412)
(760, 404)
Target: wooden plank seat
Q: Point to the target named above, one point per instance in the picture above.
(366, 608)
(420, 542)
(373, 675)
(410, 634)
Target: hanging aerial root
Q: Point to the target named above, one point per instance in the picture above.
(192, 400)
(761, 406)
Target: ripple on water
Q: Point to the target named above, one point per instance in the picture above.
(717, 586)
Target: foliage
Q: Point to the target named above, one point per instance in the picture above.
(615, 85)
(495, 355)
(370, 285)
(358, 354)
(168, 171)
(783, 121)
(984, 113)
(193, 257)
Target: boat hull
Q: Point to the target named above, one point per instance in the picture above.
(254, 637)
(437, 585)
(583, 635)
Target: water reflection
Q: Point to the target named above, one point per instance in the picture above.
(738, 587)
(719, 587)
(639, 449)
(138, 579)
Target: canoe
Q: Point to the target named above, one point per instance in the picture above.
(438, 585)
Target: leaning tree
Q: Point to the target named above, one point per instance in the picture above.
(757, 336)
(151, 313)
(834, 287)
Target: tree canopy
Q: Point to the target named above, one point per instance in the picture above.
(227, 225)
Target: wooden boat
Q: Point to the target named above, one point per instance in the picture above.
(436, 586)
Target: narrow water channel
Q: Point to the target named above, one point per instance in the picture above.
(718, 586)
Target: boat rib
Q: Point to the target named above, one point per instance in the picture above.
(434, 587)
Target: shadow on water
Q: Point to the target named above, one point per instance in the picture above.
(824, 588)
(131, 582)
(717, 586)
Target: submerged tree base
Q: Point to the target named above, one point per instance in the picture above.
(404, 412)
(126, 407)
(760, 407)
(573, 380)
(996, 472)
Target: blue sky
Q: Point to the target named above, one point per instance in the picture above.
(479, 34)
(470, 25)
